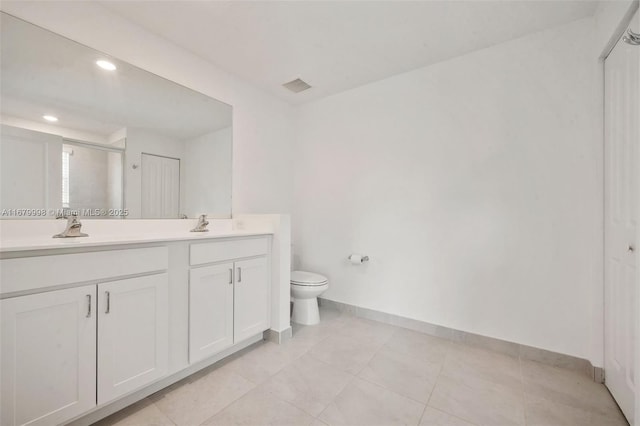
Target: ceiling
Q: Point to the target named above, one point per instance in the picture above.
(339, 45)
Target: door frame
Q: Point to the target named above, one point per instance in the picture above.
(613, 41)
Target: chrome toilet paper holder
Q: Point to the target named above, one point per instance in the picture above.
(362, 258)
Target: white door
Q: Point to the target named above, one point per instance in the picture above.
(48, 350)
(622, 137)
(133, 334)
(251, 298)
(30, 169)
(160, 187)
(210, 310)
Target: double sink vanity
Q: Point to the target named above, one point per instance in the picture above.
(91, 324)
(90, 321)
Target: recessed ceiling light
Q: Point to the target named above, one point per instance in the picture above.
(50, 118)
(106, 65)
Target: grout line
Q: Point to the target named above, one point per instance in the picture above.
(335, 397)
(424, 410)
(446, 356)
(523, 396)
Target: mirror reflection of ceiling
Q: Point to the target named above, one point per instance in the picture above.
(44, 73)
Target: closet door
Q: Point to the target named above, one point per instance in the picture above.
(622, 137)
(160, 187)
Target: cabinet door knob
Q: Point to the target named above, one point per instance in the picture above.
(88, 306)
(631, 248)
(230, 275)
(108, 296)
(239, 275)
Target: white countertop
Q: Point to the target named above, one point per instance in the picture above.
(29, 235)
(47, 242)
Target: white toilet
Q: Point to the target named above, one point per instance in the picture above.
(305, 289)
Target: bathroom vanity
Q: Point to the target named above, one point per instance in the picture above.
(92, 324)
(89, 322)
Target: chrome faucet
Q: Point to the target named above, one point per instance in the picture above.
(72, 229)
(201, 226)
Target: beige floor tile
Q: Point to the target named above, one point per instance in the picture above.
(542, 412)
(611, 419)
(193, 403)
(304, 337)
(429, 348)
(308, 383)
(364, 403)
(402, 373)
(469, 364)
(260, 407)
(328, 315)
(433, 417)
(331, 323)
(367, 330)
(143, 413)
(345, 353)
(262, 362)
(567, 387)
(481, 405)
(399, 370)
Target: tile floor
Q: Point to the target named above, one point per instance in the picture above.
(351, 371)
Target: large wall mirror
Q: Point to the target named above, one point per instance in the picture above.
(86, 133)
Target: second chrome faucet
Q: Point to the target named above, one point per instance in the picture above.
(201, 226)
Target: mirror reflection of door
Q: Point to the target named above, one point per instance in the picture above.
(160, 187)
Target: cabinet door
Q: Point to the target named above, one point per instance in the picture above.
(48, 350)
(210, 310)
(133, 334)
(252, 298)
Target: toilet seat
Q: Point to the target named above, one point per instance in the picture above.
(303, 278)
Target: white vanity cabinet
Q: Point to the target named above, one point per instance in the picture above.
(229, 301)
(251, 298)
(51, 370)
(133, 334)
(48, 356)
(210, 310)
(86, 331)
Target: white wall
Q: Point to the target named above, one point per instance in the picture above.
(208, 174)
(475, 186)
(262, 125)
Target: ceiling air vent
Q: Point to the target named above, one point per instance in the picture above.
(297, 85)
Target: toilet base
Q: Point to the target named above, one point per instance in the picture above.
(305, 311)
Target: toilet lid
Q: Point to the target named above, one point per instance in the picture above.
(307, 278)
